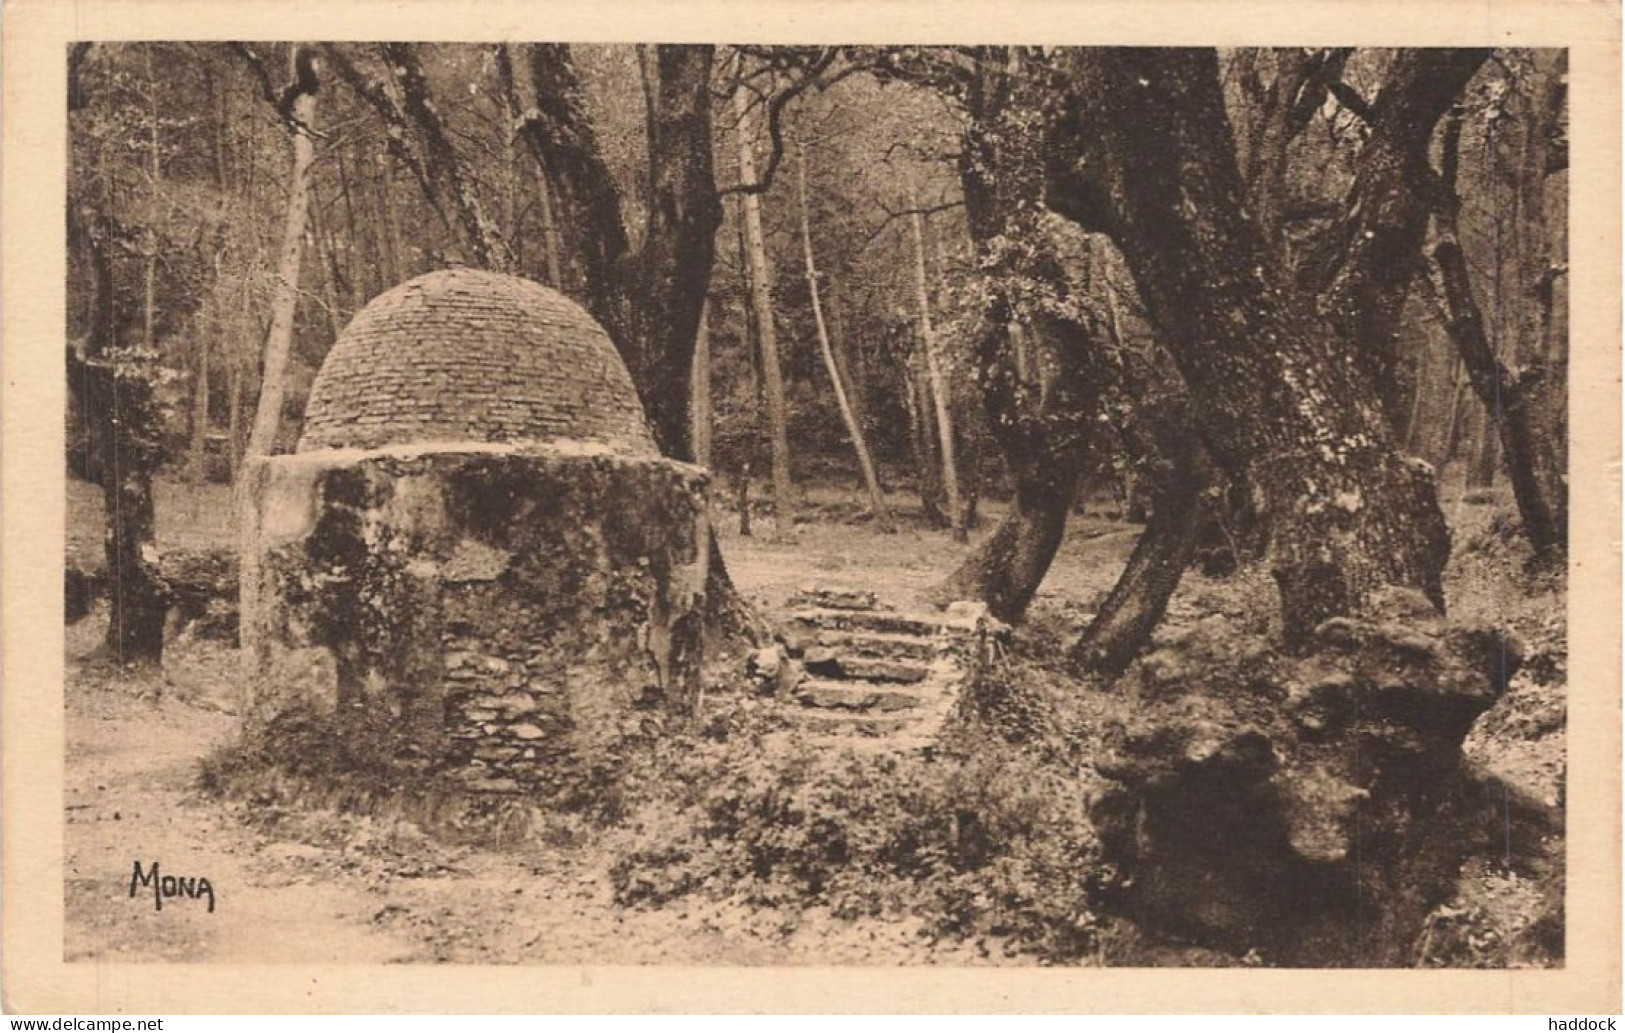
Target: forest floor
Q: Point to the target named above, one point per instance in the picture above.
(315, 884)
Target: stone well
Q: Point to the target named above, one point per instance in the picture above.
(476, 542)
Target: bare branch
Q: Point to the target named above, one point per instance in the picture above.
(892, 216)
(811, 78)
(1351, 100)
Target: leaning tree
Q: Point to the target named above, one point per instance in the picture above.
(1309, 799)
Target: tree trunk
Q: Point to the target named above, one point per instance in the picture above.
(650, 303)
(358, 285)
(969, 449)
(279, 342)
(327, 262)
(1383, 232)
(116, 396)
(877, 501)
(922, 439)
(517, 113)
(197, 462)
(236, 441)
(1042, 428)
(565, 143)
(852, 369)
(155, 173)
(1518, 420)
(552, 247)
(1006, 568)
(1042, 364)
(761, 286)
(1140, 597)
(742, 498)
(1275, 401)
(938, 377)
(701, 390)
(673, 272)
(419, 137)
(1485, 459)
(400, 267)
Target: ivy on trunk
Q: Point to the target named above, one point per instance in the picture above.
(1140, 148)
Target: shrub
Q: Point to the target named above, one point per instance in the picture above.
(985, 840)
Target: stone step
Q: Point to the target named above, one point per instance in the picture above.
(854, 723)
(877, 644)
(818, 597)
(823, 662)
(823, 694)
(892, 622)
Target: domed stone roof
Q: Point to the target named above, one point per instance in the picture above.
(472, 356)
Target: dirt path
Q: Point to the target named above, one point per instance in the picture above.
(324, 889)
(128, 798)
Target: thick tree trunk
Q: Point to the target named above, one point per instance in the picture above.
(1042, 429)
(116, 396)
(1042, 365)
(650, 303)
(1278, 405)
(761, 280)
(419, 137)
(564, 141)
(1006, 568)
(1138, 600)
(866, 464)
(941, 400)
(1243, 802)
(278, 343)
(122, 395)
(1388, 214)
(673, 271)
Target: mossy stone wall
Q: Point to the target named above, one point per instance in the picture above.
(507, 607)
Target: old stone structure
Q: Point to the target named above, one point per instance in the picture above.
(476, 546)
(461, 356)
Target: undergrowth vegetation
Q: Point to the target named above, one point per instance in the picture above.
(984, 837)
(982, 842)
(979, 838)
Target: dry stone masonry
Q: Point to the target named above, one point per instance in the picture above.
(464, 356)
(476, 545)
(869, 675)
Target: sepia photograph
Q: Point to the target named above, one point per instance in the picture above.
(819, 505)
